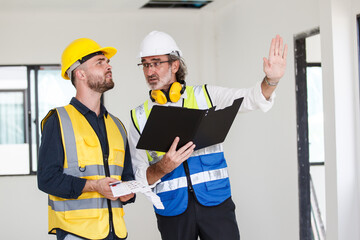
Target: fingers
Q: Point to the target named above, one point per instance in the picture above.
(104, 188)
(173, 158)
(281, 44)
(277, 48)
(186, 151)
(186, 154)
(127, 197)
(272, 48)
(174, 145)
(266, 63)
(277, 45)
(285, 52)
(186, 146)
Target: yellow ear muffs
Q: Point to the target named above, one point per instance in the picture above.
(158, 96)
(175, 92)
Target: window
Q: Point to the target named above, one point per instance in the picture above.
(27, 93)
(311, 160)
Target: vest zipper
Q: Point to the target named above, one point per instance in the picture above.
(187, 173)
(107, 174)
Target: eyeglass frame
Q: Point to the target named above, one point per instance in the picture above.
(152, 64)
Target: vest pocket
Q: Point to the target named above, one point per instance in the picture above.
(119, 157)
(88, 151)
(167, 196)
(218, 184)
(91, 141)
(213, 161)
(214, 166)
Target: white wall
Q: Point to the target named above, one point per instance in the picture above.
(262, 148)
(341, 111)
(223, 47)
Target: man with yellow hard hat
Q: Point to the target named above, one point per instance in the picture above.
(193, 186)
(83, 149)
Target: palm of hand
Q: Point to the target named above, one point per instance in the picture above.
(275, 66)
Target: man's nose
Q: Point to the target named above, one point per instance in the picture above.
(109, 67)
(150, 70)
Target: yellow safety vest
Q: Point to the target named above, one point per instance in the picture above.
(88, 215)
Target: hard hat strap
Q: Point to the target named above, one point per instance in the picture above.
(81, 61)
(175, 53)
(72, 68)
(87, 57)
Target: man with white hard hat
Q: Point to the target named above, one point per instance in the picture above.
(193, 185)
(83, 149)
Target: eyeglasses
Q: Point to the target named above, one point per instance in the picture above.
(156, 65)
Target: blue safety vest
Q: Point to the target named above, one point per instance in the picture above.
(205, 172)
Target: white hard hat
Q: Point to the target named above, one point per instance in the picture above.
(158, 43)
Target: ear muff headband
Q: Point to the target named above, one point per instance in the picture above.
(174, 94)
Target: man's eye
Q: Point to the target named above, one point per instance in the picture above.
(146, 65)
(156, 64)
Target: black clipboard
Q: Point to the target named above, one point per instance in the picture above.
(203, 127)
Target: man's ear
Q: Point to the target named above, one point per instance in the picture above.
(175, 66)
(80, 74)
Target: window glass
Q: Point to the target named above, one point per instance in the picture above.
(14, 148)
(53, 91)
(316, 144)
(315, 114)
(12, 117)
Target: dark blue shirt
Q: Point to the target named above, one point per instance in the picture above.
(50, 175)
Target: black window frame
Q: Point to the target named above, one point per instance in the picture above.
(301, 65)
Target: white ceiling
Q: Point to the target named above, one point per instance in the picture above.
(93, 5)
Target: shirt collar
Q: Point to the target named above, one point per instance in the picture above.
(84, 110)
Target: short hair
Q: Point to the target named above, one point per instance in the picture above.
(182, 71)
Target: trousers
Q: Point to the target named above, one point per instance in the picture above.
(207, 223)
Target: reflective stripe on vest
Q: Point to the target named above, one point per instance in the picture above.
(70, 143)
(208, 150)
(91, 203)
(200, 97)
(141, 116)
(71, 152)
(197, 178)
(120, 127)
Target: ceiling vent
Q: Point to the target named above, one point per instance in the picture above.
(176, 4)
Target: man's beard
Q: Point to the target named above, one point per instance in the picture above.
(163, 81)
(100, 84)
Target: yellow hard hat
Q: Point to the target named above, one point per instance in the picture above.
(80, 48)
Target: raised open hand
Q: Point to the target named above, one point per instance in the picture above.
(275, 65)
